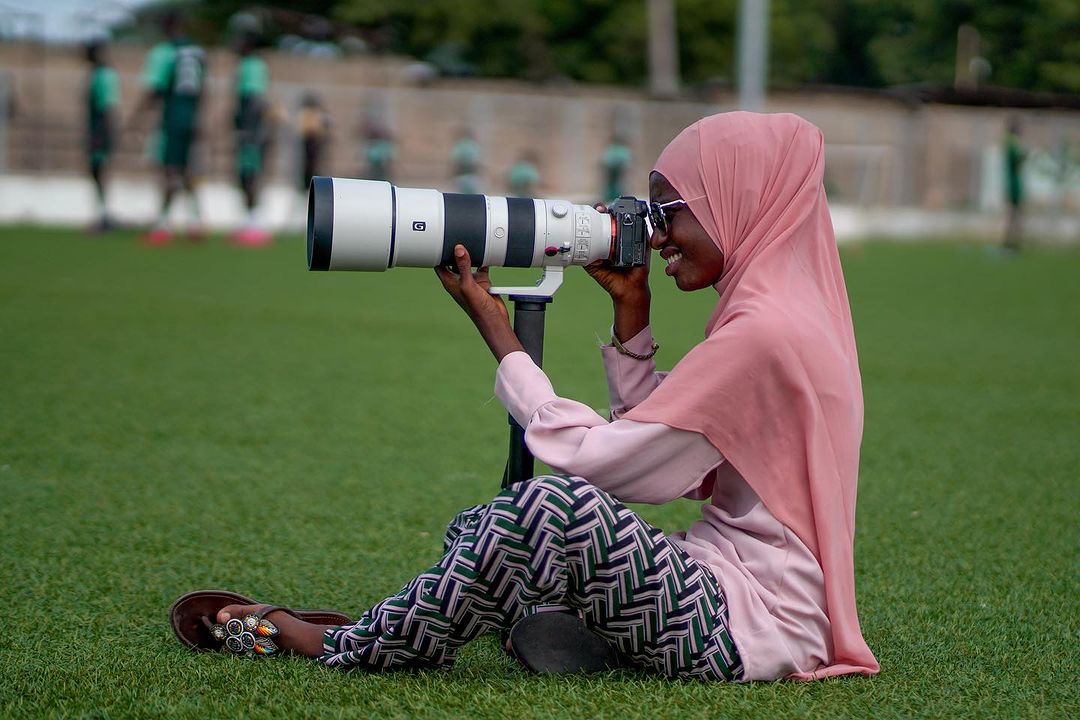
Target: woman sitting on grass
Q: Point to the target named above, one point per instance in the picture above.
(763, 419)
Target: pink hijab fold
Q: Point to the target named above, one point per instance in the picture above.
(775, 385)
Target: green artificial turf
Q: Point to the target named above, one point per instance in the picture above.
(205, 416)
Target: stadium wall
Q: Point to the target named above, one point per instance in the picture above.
(883, 151)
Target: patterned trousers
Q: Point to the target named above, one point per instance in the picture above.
(551, 540)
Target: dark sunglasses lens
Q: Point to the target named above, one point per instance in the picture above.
(659, 220)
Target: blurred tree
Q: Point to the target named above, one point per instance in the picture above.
(707, 40)
(590, 40)
(1030, 44)
(802, 40)
(218, 12)
(207, 20)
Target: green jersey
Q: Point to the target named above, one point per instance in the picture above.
(176, 71)
(152, 69)
(252, 84)
(1014, 166)
(102, 96)
(465, 156)
(523, 178)
(102, 92)
(616, 160)
(252, 77)
(380, 153)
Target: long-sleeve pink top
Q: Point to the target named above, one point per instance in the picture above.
(772, 582)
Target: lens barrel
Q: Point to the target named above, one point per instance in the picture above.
(373, 225)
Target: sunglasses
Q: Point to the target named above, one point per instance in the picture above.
(660, 214)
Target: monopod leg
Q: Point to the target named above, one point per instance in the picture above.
(556, 642)
(529, 328)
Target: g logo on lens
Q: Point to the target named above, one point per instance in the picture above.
(419, 226)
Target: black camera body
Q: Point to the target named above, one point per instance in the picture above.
(630, 241)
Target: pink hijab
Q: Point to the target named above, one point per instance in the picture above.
(775, 384)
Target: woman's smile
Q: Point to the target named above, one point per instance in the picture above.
(672, 255)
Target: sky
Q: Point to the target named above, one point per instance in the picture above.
(62, 20)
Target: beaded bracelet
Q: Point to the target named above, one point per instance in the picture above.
(619, 347)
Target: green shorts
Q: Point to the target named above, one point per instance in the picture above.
(99, 144)
(177, 149)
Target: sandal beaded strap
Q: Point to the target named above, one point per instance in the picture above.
(249, 636)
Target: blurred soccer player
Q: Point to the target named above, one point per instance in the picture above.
(313, 126)
(102, 98)
(380, 150)
(174, 77)
(1015, 154)
(524, 176)
(616, 161)
(252, 135)
(465, 157)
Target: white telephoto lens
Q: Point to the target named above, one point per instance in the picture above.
(373, 225)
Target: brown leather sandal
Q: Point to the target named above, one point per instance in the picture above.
(194, 620)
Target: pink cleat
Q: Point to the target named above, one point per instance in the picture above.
(251, 237)
(157, 237)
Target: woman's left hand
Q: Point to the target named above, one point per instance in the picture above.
(471, 291)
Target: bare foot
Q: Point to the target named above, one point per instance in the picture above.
(294, 634)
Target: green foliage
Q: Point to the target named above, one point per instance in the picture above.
(707, 39)
(206, 21)
(206, 416)
(535, 39)
(1030, 44)
(802, 40)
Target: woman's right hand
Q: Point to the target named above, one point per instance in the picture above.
(629, 291)
(624, 285)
